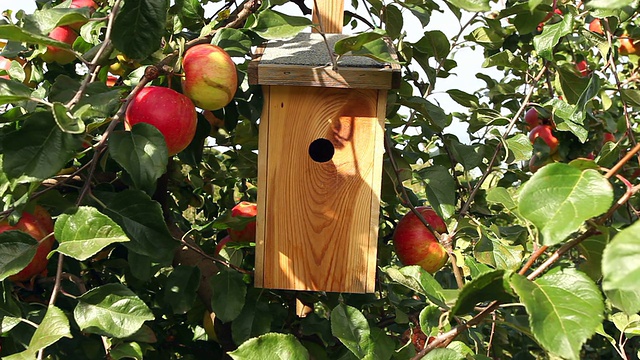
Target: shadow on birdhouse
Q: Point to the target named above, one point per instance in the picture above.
(319, 166)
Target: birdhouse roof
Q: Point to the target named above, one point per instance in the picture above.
(304, 61)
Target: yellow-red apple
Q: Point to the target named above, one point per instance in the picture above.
(64, 34)
(596, 26)
(415, 244)
(169, 111)
(628, 45)
(210, 77)
(77, 4)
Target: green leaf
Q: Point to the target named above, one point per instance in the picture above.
(142, 220)
(471, 5)
(229, 291)
(498, 253)
(111, 310)
(254, 319)
(500, 195)
(519, 148)
(550, 36)
(417, 279)
(66, 121)
(559, 198)
(39, 149)
(609, 4)
(565, 308)
(463, 98)
(272, 25)
(631, 96)
(377, 49)
(443, 354)
(271, 346)
(382, 345)
(235, 42)
(356, 42)
(350, 326)
(433, 113)
(15, 33)
(45, 20)
(488, 286)
(54, 326)
(126, 350)
(10, 313)
(146, 19)
(12, 91)
(434, 44)
(506, 59)
(85, 232)
(621, 270)
(615, 8)
(591, 251)
(181, 288)
(487, 38)
(430, 320)
(441, 189)
(142, 152)
(17, 248)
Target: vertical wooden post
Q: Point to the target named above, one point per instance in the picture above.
(329, 13)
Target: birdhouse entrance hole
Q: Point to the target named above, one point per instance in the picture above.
(321, 150)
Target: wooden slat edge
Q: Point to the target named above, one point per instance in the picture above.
(376, 184)
(324, 76)
(252, 69)
(261, 217)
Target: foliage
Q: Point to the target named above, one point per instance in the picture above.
(543, 263)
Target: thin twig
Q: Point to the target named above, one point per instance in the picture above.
(213, 258)
(512, 123)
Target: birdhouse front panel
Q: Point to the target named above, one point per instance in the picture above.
(320, 161)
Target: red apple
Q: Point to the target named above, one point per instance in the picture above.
(5, 64)
(545, 133)
(39, 225)
(222, 244)
(111, 80)
(248, 233)
(54, 54)
(608, 137)
(77, 4)
(415, 244)
(596, 26)
(549, 16)
(583, 68)
(169, 111)
(532, 118)
(210, 77)
(627, 45)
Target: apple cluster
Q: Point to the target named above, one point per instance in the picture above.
(626, 44)
(39, 225)
(540, 127)
(210, 82)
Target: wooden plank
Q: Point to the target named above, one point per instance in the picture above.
(263, 138)
(317, 216)
(330, 14)
(376, 184)
(345, 77)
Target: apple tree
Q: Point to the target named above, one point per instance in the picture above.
(539, 198)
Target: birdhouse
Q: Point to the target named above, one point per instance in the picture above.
(319, 165)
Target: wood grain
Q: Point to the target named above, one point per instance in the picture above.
(329, 13)
(317, 222)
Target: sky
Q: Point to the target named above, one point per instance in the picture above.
(469, 60)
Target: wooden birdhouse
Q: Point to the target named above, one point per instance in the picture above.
(319, 164)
